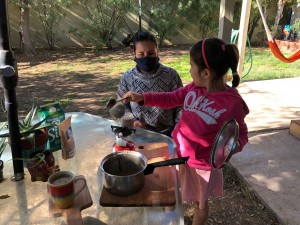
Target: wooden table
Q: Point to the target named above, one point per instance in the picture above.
(26, 202)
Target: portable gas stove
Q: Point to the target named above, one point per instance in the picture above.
(122, 143)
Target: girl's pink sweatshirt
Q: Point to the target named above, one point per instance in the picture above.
(203, 114)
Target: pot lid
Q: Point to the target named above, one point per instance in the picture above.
(224, 143)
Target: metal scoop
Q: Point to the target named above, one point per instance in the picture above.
(111, 102)
(117, 111)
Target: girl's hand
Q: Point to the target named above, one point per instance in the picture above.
(236, 149)
(132, 97)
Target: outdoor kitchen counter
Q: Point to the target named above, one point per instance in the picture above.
(26, 202)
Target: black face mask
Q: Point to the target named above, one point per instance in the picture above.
(147, 64)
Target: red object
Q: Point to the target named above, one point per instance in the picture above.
(278, 54)
(40, 170)
(130, 146)
(62, 191)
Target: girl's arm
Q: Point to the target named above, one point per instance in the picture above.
(165, 99)
(243, 139)
(243, 132)
(243, 135)
(131, 96)
(160, 99)
(240, 112)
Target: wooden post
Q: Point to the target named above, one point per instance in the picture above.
(226, 19)
(243, 30)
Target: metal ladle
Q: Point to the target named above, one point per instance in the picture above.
(112, 101)
(116, 107)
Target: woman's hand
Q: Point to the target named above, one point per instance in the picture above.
(132, 97)
(138, 123)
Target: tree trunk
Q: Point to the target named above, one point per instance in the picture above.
(25, 39)
(280, 6)
(253, 25)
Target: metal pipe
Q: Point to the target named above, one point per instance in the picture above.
(9, 81)
(140, 15)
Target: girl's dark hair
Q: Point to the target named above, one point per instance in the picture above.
(218, 57)
(143, 36)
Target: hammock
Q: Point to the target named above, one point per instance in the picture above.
(272, 43)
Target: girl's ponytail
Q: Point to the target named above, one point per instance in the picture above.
(235, 79)
(232, 53)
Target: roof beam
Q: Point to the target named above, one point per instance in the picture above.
(243, 30)
(226, 25)
(226, 19)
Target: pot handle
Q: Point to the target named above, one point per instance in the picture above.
(150, 167)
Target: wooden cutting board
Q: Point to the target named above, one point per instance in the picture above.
(158, 189)
(82, 201)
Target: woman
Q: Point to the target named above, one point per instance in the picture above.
(150, 75)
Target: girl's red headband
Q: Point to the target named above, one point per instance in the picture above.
(203, 54)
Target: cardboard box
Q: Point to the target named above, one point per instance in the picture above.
(54, 113)
(295, 128)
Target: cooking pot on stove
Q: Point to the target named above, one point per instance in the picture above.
(124, 172)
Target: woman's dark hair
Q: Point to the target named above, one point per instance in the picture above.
(143, 36)
(217, 56)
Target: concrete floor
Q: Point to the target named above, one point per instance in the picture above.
(272, 103)
(270, 162)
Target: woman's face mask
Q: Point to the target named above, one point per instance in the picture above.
(146, 56)
(147, 64)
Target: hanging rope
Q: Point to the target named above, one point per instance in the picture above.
(272, 43)
(233, 40)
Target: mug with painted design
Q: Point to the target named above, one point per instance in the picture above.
(61, 188)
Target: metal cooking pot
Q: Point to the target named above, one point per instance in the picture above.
(124, 171)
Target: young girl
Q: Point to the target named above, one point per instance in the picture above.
(207, 103)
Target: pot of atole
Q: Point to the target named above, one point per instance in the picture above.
(124, 172)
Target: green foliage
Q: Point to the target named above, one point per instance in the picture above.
(182, 66)
(3, 142)
(205, 15)
(26, 126)
(262, 59)
(50, 13)
(296, 25)
(255, 17)
(166, 18)
(102, 19)
(266, 66)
